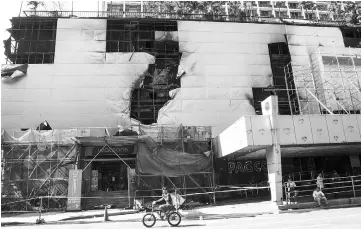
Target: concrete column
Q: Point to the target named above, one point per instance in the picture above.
(273, 153)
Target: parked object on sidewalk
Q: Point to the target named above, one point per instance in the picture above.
(319, 197)
(106, 217)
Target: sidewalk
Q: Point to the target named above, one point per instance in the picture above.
(30, 218)
(225, 209)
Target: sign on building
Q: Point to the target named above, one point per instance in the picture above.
(74, 190)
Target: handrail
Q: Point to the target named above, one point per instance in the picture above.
(331, 186)
(176, 16)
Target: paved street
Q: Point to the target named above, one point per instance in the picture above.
(320, 219)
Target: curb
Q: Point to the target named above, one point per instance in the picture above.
(69, 220)
(98, 215)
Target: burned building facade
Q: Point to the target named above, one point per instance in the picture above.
(108, 72)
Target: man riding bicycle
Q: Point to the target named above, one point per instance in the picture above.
(168, 202)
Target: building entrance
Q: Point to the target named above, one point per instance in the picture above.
(112, 176)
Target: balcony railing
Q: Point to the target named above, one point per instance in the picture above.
(167, 16)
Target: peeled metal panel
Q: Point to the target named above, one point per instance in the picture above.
(319, 129)
(351, 128)
(286, 130)
(303, 129)
(335, 128)
(261, 129)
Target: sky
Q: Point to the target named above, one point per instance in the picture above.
(11, 8)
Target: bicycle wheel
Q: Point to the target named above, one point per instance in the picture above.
(149, 220)
(174, 219)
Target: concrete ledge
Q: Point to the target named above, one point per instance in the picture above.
(331, 203)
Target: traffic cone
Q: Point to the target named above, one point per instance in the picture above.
(106, 217)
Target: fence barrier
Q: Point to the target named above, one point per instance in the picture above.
(345, 186)
(177, 16)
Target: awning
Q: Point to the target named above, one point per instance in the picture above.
(111, 141)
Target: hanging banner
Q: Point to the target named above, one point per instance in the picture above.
(74, 190)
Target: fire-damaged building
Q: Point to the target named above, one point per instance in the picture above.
(137, 102)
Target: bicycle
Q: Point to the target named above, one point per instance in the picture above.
(173, 217)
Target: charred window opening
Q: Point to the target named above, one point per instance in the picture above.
(32, 41)
(351, 37)
(160, 39)
(260, 94)
(283, 83)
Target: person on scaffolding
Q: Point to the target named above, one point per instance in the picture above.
(167, 207)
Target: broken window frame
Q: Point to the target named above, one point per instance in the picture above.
(32, 40)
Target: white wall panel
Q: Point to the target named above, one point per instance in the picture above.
(193, 93)
(351, 128)
(286, 129)
(313, 31)
(79, 57)
(222, 93)
(303, 129)
(319, 129)
(126, 58)
(261, 130)
(93, 46)
(335, 128)
(222, 48)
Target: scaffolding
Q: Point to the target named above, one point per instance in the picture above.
(195, 184)
(35, 164)
(331, 84)
(198, 186)
(31, 41)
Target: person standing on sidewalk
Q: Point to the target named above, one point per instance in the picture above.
(291, 190)
(319, 181)
(336, 184)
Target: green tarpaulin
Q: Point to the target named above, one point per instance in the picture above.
(158, 160)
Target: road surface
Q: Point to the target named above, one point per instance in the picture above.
(349, 218)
